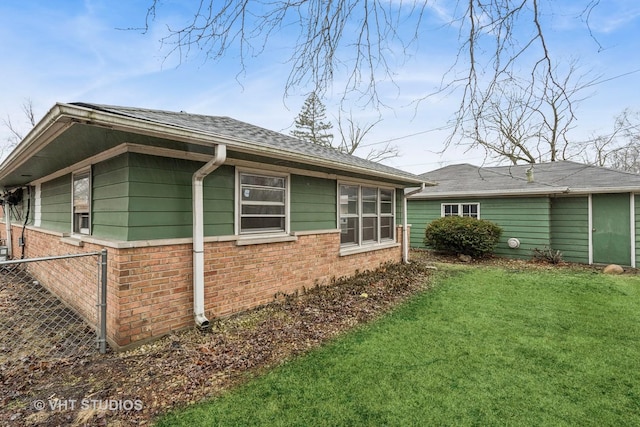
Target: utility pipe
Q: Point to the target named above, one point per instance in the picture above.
(405, 231)
(219, 158)
(7, 222)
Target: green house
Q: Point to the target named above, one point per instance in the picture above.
(591, 214)
(202, 216)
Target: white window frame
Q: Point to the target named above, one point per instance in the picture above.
(375, 215)
(239, 203)
(391, 215)
(84, 231)
(360, 215)
(460, 207)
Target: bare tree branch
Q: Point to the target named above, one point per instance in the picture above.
(363, 43)
(353, 134)
(16, 132)
(619, 149)
(529, 121)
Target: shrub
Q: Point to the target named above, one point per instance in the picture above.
(462, 235)
(547, 255)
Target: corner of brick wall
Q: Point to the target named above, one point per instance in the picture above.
(150, 291)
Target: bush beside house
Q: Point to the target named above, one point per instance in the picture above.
(463, 235)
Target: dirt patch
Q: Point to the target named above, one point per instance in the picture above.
(435, 258)
(34, 324)
(134, 387)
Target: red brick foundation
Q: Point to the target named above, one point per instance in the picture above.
(150, 291)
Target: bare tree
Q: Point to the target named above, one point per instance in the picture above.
(365, 41)
(353, 134)
(367, 29)
(626, 158)
(528, 121)
(16, 132)
(513, 100)
(619, 149)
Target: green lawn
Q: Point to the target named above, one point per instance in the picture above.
(484, 347)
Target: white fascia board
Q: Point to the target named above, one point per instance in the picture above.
(601, 190)
(45, 131)
(535, 192)
(492, 193)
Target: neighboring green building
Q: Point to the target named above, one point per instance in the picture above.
(591, 214)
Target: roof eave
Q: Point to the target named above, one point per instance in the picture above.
(532, 192)
(490, 193)
(61, 116)
(597, 190)
(45, 131)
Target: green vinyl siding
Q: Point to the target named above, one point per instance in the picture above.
(524, 218)
(55, 204)
(160, 198)
(110, 202)
(143, 197)
(420, 213)
(570, 228)
(313, 203)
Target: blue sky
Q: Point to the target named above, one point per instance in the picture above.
(76, 50)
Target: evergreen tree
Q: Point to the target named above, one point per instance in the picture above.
(310, 123)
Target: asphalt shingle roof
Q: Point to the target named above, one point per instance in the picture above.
(552, 177)
(244, 132)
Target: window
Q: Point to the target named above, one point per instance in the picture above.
(366, 215)
(461, 209)
(263, 203)
(81, 202)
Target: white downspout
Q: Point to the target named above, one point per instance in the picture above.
(405, 226)
(632, 216)
(198, 233)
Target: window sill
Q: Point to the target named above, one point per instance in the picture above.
(73, 241)
(352, 250)
(261, 240)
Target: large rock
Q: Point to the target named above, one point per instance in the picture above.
(613, 269)
(465, 258)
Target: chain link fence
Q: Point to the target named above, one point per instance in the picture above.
(52, 308)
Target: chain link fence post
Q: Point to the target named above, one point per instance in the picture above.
(102, 338)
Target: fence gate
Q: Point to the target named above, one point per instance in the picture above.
(52, 307)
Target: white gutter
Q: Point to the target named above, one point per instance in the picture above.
(526, 192)
(494, 193)
(198, 233)
(405, 226)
